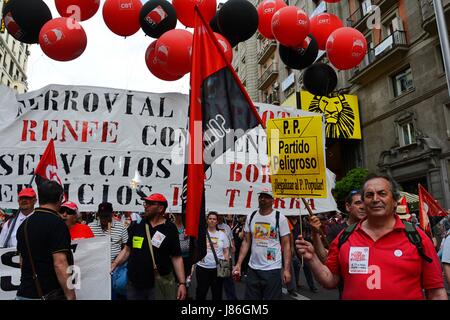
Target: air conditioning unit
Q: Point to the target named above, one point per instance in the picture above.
(397, 24)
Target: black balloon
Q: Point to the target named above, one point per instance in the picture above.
(214, 25)
(237, 20)
(157, 17)
(299, 58)
(25, 18)
(320, 79)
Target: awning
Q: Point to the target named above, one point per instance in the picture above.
(410, 197)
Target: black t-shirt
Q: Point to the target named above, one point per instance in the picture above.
(47, 234)
(140, 265)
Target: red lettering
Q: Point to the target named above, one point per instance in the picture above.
(248, 173)
(235, 175)
(232, 196)
(176, 191)
(279, 203)
(267, 115)
(294, 202)
(28, 126)
(249, 199)
(68, 126)
(265, 172)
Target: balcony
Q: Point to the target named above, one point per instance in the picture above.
(267, 48)
(268, 77)
(272, 98)
(381, 59)
(429, 17)
(358, 19)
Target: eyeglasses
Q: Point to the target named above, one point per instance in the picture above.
(68, 212)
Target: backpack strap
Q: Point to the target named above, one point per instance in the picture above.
(277, 224)
(415, 238)
(346, 234)
(250, 221)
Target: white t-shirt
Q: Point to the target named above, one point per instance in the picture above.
(220, 242)
(12, 242)
(266, 246)
(446, 250)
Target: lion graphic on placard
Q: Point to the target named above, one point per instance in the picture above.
(339, 116)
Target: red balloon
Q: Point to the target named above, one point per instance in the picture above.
(266, 10)
(155, 66)
(80, 10)
(62, 39)
(185, 10)
(346, 48)
(122, 17)
(226, 46)
(173, 50)
(322, 26)
(290, 26)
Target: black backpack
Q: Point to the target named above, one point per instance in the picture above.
(410, 230)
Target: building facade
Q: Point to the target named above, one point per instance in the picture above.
(13, 60)
(401, 87)
(404, 99)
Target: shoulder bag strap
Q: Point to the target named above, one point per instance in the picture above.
(35, 276)
(212, 247)
(149, 239)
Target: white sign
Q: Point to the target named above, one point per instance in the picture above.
(109, 142)
(92, 263)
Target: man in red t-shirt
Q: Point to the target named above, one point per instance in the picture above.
(378, 261)
(70, 214)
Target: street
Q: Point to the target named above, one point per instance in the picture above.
(302, 294)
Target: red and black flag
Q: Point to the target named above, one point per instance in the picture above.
(428, 207)
(220, 112)
(47, 168)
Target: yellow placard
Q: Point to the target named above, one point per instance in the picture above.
(137, 242)
(297, 157)
(341, 113)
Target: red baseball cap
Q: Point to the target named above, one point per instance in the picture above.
(156, 197)
(71, 205)
(27, 193)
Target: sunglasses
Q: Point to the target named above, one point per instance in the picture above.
(68, 212)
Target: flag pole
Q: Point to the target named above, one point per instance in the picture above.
(301, 232)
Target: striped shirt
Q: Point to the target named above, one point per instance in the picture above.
(119, 235)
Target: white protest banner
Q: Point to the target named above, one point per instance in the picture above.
(91, 278)
(108, 142)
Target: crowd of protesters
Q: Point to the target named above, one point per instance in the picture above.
(265, 249)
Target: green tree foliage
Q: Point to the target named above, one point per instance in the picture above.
(352, 181)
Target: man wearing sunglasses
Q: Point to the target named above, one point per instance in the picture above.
(71, 216)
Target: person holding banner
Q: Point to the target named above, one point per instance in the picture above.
(27, 201)
(380, 258)
(267, 233)
(43, 242)
(153, 253)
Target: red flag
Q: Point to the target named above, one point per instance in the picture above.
(216, 91)
(47, 168)
(403, 210)
(428, 207)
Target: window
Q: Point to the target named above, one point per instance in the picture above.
(402, 82)
(11, 68)
(407, 135)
